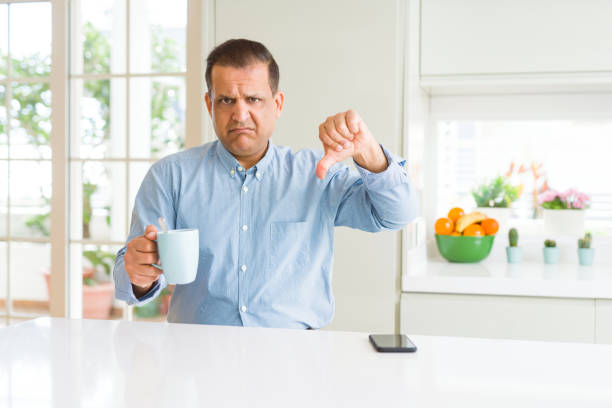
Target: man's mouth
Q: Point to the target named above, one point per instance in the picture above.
(241, 130)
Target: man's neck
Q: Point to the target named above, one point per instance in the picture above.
(249, 161)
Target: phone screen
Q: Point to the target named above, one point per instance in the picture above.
(392, 342)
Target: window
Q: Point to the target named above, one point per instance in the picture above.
(25, 159)
(119, 104)
(563, 154)
(128, 73)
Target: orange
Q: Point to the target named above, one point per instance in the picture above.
(455, 234)
(474, 230)
(444, 226)
(490, 226)
(455, 213)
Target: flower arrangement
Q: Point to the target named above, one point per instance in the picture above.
(570, 199)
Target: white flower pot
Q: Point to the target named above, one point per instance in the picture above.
(564, 222)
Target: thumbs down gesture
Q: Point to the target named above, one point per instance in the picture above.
(346, 135)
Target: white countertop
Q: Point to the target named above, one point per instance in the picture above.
(87, 363)
(566, 280)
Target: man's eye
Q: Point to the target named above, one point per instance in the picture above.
(254, 99)
(226, 101)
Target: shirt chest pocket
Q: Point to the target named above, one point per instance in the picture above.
(289, 248)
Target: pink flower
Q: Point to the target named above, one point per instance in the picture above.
(548, 195)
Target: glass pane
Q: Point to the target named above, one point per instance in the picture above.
(98, 128)
(158, 32)
(30, 193)
(157, 128)
(101, 29)
(534, 154)
(96, 264)
(3, 39)
(29, 269)
(3, 123)
(137, 174)
(30, 53)
(4, 182)
(3, 276)
(30, 121)
(98, 201)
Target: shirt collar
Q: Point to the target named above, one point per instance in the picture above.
(231, 164)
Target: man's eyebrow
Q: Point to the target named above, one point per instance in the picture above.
(222, 96)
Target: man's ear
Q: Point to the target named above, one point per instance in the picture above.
(279, 99)
(208, 104)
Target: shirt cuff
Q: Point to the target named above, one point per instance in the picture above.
(131, 298)
(392, 176)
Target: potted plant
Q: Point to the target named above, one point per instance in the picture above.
(585, 252)
(495, 197)
(97, 291)
(564, 212)
(97, 287)
(514, 253)
(550, 251)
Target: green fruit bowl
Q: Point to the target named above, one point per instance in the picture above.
(464, 249)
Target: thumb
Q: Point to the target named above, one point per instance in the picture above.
(151, 232)
(324, 164)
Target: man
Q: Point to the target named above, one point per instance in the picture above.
(265, 220)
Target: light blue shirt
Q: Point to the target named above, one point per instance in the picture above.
(266, 234)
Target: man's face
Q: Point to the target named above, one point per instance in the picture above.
(243, 108)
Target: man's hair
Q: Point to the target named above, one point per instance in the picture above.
(240, 53)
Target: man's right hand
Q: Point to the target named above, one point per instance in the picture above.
(141, 252)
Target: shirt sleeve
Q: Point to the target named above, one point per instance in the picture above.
(374, 201)
(152, 201)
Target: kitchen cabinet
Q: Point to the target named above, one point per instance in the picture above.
(544, 37)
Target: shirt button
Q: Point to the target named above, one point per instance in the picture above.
(244, 228)
(240, 168)
(243, 267)
(232, 172)
(245, 189)
(243, 308)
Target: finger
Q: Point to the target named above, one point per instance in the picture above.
(142, 244)
(337, 137)
(323, 165)
(145, 258)
(327, 140)
(147, 271)
(151, 232)
(143, 282)
(352, 121)
(340, 124)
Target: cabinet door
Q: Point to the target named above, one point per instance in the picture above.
(521, 36)
(603, 322)
(511, 317)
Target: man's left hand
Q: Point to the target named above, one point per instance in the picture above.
(346, 135)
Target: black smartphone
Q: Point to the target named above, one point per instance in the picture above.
(393, 343)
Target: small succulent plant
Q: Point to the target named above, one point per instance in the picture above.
(586, 241)
(513, 237)
(550, 243)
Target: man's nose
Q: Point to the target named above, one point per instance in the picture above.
(241, 111)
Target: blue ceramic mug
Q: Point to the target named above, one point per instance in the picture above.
(179, 251)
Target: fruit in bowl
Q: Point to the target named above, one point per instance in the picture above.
(464, 237)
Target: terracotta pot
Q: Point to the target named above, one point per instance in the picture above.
(97, 300)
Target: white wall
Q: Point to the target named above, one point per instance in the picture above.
(335, 55)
